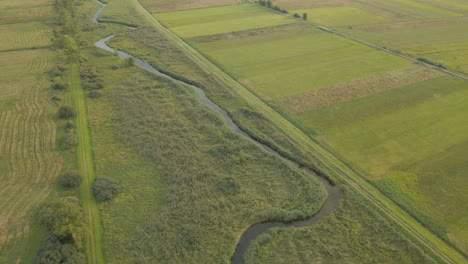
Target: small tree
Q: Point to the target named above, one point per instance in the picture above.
(105, 189)
(64, 218)
(304, 16)
(66, 112)
(71, 179)
(268, 4)
(296, 15)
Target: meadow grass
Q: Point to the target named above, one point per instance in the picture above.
(342, 16)
(216, 20)
(151, 45)
(413, 129)
(120, 11)
(294, 59)
(353, 233)
(189, 185)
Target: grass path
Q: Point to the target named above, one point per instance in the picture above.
(93, 245)
(329, 162)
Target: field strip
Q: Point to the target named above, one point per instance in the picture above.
(27, 142)
(94, 252)
(370, 44)
(419, 232)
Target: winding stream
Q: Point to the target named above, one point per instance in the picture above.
(257, 229)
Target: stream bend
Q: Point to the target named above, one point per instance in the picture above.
(259, 228)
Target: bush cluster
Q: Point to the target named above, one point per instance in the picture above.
(91, 80)
(105, 189)
(71, 179)
(66, 112)
(69, 141)
(57, 78)
(63, 219)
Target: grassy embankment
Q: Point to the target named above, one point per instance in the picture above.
(93, 241)
(387, 202)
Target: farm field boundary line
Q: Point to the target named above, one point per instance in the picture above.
(370, 44)
(387, 206)
(94, 252)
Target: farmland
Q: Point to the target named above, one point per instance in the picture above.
(327, 82)
(430, 29)
(248, 116)
(216, 20)
(29, 160)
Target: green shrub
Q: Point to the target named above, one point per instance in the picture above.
(66, 112)
(68, 141)
(94, 94)
(57, 250)
(59, 86)
(71, 179)
(105, 189)
(69, 125)
(64, 218)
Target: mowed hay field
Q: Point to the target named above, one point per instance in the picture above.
(216, 20)
(400, 124)
(29, 161)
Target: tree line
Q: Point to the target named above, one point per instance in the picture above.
(269, 4)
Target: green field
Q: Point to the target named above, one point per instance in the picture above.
(432, 29)
(443, 41)
(329, 82)
(216, 20)
(398, 139)
(342, 16)
(289, 60)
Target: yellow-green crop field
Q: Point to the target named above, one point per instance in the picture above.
(217, 20)
(401, 125)
(29, 160)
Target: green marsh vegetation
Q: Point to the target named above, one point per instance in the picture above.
(196, 184)
(353, 233)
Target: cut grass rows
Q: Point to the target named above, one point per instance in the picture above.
(29, 164)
